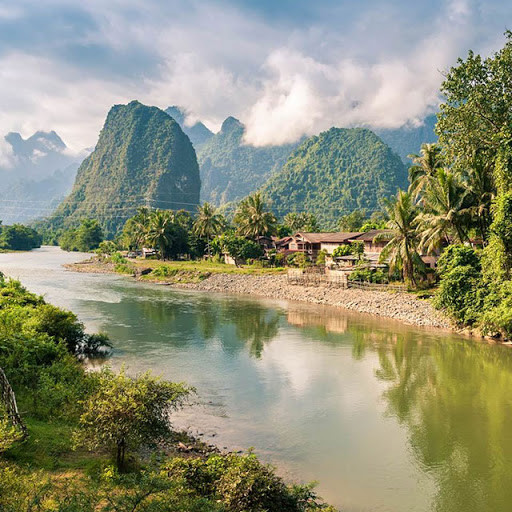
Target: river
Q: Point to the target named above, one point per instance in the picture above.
(384, 416)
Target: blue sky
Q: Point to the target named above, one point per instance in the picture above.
(284, 67)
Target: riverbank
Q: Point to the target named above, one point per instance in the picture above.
(404, 307)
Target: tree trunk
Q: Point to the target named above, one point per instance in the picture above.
(121, 445)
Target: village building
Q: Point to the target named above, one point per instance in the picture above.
(312, 243)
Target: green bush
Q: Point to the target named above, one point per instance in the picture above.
(368, 275)
(242, 483)
(124, 268)
(497, 311)
(298, 259)
(458, 256)
(458, 293)
(320, 259)
(342, 250)
(164, 271)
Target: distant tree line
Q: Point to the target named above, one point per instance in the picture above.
(19, 238)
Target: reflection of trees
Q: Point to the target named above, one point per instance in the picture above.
(255, 325)
(454, 398)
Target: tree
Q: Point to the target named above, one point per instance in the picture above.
(446, 212)
(208, 223)
(475, 115)
(424, 168)
(353, 221)
(19, 238)
(126, 413)
(85, 238)
(241, 249)
(481, 192)
(136, 228)
(401, 249)
(301, 221)
(160, 233)
(252, 219)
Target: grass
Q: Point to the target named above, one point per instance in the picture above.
(48, 447)
(204, 266)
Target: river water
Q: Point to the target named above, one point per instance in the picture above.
(386, 417)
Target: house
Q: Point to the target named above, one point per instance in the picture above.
(266, 242)
(312, 243)
(374, 240)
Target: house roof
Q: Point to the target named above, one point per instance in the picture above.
(370, 235)
(317, 238)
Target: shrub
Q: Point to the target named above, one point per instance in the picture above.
(320, 259)
(242, 483)
(342, 250)
(458, 256)
(458, 293)
(298, 259)
(368, 275)
(107, 247)
(497, 311)
(164, 271)
(118, 258)
(8, 433)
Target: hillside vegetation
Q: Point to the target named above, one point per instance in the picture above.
(142, 157)
(334, 173)
(230, 169)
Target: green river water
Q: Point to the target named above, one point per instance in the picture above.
(384, 416)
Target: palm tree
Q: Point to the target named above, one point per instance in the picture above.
(135, 229)
(301, 221)
(252, 219)
(424, 168)
(208, 223)
(160, 232)
(446, 212)
(480, 192)
(401, 250)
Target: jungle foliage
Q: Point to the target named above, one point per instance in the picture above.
(334, 173)
(142, 157)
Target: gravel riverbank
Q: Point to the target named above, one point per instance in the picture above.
(404, 307)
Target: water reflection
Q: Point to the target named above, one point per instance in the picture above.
(454, 399)
(386, 417)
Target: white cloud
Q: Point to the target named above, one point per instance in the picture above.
(303, 95)
(6, 155)
(377, 66)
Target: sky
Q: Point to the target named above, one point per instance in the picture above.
(286, 68)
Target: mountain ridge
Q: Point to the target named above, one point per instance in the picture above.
(335, 172)
(142, 158)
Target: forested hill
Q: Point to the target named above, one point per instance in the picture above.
(198, 133)
(142, 158)
(334, 173)
(231, 169)
(408, 139)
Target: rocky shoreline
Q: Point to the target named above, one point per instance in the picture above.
(400, 306)
(404, 307)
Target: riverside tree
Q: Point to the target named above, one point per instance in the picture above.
(208, 223)
(126, 413)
